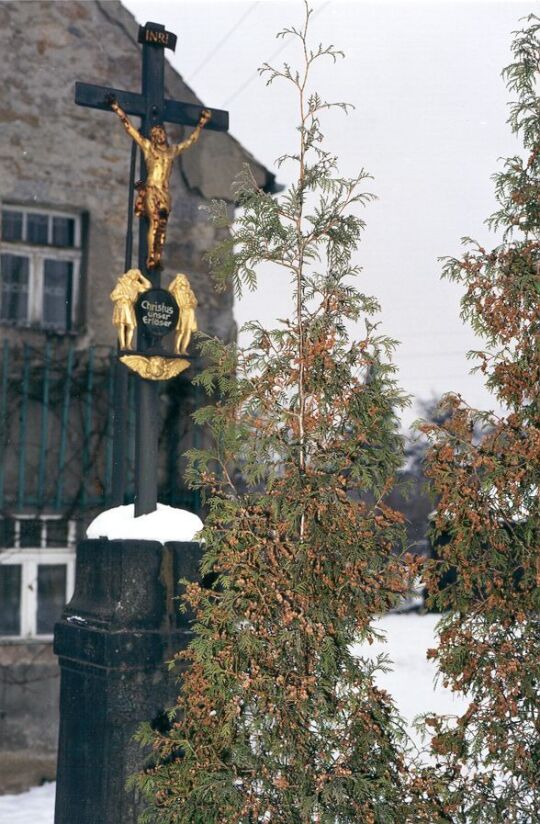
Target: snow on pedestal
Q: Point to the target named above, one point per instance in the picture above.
(164, 525)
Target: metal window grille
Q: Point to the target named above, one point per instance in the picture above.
(56, 434)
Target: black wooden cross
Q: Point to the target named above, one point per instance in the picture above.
(153, 109)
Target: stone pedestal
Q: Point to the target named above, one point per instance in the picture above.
(114, 638)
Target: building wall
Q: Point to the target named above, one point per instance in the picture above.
(29, 690)
(56, 155)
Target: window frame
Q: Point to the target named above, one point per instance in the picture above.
(29, 558)
(37, 254)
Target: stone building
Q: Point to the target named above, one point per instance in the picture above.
(63, 199)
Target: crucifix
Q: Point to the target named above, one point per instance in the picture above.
(152, 206)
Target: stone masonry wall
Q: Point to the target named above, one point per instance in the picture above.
(54, 153)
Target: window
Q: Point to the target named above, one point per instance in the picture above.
(10, 599)
(36, 577)
(39, 268)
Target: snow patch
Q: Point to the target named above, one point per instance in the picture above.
(163, 525)
(412, 680)
(34, 807)
(76, 619)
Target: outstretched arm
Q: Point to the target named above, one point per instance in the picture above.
(194, 136)
(126, 122)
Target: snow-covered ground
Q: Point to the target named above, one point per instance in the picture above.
(33, 807)
(410, 682)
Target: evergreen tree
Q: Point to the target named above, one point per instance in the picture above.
(276, 721)
(488, 507)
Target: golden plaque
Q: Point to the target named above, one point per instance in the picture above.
(156, 367)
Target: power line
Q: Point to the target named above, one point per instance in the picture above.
(432, 378)
(437, 333)
(221, 43)
(272, 57)
(431, 353)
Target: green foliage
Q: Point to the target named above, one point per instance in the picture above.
(276, 721)
(488, 511)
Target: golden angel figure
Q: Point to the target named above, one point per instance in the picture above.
(187, 322)
(153, 198)
(155, 368)
(125, 293)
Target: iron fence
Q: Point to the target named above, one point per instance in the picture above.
(56, 433)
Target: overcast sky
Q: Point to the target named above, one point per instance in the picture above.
(429, 124)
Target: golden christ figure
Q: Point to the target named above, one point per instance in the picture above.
(187, 303)
(153, 199)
